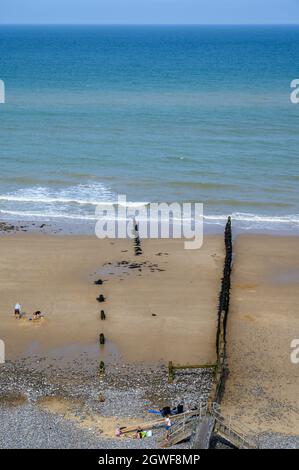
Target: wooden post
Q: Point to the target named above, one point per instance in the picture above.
(102, 368)
(101, 298)
(170, 372)
(102, 338)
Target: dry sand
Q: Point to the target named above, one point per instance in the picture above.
(166, 311)
(262, 388)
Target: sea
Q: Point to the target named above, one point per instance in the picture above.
(155, 113)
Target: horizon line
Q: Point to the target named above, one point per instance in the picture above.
(149, 24)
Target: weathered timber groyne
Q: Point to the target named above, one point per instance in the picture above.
(137, 241)
(220, 368)
(209, 416)
(223, 311)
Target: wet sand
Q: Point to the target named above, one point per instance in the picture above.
(164, 309)
(262, 388)
(159, 306)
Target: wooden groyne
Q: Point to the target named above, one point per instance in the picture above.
(223, 311)
(209, 419)
(137, 241)
(212, 424)
(220, 367)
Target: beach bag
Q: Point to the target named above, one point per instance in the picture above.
(165, 411)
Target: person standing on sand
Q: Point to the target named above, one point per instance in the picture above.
(17, 310)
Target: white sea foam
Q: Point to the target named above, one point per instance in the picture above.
(247, 217)
(81, 194)
(91, 194)
(46, 215)
(56, 215)
(79, 202)
(251, 220)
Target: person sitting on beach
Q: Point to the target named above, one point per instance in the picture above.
(17, 310)
(178, 409)
(36, 316)
(137, 434)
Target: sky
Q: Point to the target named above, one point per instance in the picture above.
(149, 11)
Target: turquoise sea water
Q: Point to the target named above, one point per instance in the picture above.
(158, 113)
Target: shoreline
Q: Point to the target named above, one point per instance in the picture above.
(85, 227)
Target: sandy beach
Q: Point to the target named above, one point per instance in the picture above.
(262, 388)
(159, 306)
(162, 309)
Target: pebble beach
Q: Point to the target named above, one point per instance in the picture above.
(60, 408)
